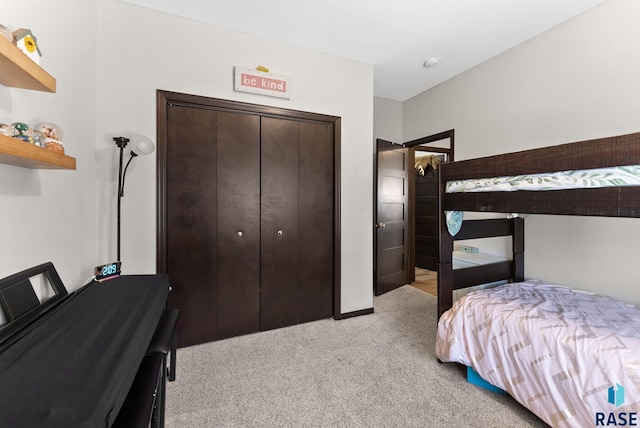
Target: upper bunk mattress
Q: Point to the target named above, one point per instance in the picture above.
(560, 352)
(628, 175)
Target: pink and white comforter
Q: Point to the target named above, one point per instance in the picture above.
(572, 358)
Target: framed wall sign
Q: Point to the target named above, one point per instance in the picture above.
(259, 82)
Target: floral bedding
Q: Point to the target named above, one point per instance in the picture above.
(628, 175)
(588, 178)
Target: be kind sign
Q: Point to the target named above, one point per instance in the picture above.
(259, 82)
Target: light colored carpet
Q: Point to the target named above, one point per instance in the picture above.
(377, 370)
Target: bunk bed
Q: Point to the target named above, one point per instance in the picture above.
(571, 357)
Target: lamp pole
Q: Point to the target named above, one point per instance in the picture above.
(121, 142)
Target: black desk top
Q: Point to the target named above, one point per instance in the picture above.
(75, 367)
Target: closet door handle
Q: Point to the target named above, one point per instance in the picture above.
(240, 233)
(381, 226)
(280, 233)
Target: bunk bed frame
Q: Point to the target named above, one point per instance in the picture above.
(590, 154)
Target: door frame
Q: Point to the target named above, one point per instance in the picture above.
(165, 98)
(450, 134)
(411, 260)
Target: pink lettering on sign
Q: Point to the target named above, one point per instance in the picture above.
(264, 83)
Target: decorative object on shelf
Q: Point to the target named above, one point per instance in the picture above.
(141, 146)
(4, 32)
(39, 139)
(18, 72)
(6, 130)
(49, 135)
(16, 152)
(27, 43)
(20, 131)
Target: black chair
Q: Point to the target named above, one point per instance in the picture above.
(145, 403)
(164, 339)
(139, 408)
(164, 343)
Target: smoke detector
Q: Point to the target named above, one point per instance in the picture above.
(431, 62)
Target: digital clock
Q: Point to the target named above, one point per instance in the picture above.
(107, 271)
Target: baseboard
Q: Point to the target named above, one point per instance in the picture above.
(353, 314)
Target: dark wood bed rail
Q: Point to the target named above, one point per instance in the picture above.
(450, 279)
(598, 153)
(603, 202)
(590, 154)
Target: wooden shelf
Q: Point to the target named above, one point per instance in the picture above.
(19, 71)
(19, 153)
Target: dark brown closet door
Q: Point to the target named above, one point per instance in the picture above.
(238, 224)
(315, 243)
(297, 222)
(191, 220)
(279, 210)
(213, 229)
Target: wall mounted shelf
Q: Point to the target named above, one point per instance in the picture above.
(19, 71)
(19, 153)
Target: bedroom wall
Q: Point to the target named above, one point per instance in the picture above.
(50, 215)
(141, 50)
(577, 81)
(387, 120)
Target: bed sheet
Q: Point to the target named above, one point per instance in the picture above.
(628, 175)
(460, 259)
(570, 357)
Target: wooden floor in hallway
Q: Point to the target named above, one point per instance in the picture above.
(427, 281)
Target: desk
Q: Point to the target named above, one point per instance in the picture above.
(77, 363)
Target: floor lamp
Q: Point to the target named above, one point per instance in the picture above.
(142, 146)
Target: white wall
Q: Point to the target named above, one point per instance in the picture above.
(50, 215)
(578, 81)
(109, 58)
(141, 50)
(387, 120)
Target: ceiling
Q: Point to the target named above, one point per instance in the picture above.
(396, 37)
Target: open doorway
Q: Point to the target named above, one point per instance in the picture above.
(428, 153)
